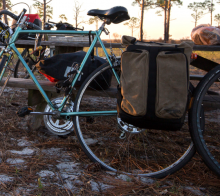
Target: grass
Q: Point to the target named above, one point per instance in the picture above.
(101, 53)
(213, 55)
(40, 185)
(194, 174)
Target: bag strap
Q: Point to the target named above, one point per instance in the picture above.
(151, 42)
(90, 42)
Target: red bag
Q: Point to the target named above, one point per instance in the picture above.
(34, 18)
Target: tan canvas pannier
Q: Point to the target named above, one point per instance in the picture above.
(154, 84)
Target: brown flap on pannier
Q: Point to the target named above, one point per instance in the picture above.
(172, 90)
(134, 79)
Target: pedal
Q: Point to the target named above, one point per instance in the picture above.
(24, 111)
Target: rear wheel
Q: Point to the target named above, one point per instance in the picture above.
(120, 147)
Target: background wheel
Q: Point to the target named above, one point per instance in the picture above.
(119, 147)
(205, 118)
(3, 62)
(20, 71)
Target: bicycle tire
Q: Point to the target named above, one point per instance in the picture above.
(205, 114)
(2, 63)
(25, 75)
(95, 132)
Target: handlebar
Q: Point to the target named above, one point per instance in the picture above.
(21, 15)
(52, 22)
(18, 18)
(9, 14)
(64, 26)
(32, 25)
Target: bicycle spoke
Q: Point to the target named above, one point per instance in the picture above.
(117, 148)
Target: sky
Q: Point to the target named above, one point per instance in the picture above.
(181, 23)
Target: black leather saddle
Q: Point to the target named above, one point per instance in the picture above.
(115, 15)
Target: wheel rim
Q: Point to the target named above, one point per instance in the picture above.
(136, 152)
(208, 123)
(20, 71)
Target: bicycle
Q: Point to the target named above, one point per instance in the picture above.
(39, 52)
(205, 119)
(113, 144)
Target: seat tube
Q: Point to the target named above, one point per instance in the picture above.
(82, 65)
(106, 54)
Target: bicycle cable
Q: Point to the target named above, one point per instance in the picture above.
(110, 43)
(20, 3)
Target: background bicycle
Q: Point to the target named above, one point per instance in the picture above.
(39, 52)
(205, 118)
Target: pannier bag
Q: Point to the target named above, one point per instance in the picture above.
(57, 68)
(34, 18)
(206, 34)
(153, 92)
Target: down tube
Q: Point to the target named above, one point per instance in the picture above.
(81, 67)
(33, 77)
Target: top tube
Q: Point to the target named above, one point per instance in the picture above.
(57, 32)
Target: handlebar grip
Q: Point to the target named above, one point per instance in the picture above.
(34, 26)
(9, 14)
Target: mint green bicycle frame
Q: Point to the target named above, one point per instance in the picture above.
(11, 46)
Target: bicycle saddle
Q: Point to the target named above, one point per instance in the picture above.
(116, 14)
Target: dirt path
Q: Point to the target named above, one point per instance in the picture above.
(38, 163)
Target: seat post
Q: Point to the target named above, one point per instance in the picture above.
(102, 27)
(106, 21)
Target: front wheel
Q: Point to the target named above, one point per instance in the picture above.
(205, 118)
(118, 146)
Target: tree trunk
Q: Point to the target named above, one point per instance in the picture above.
(76, 22)
(44, 12)
(165, 20)
(97, 24)
(196, 19)
(168, 21)
(142, 20)
(5, 16)
(211, 10)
